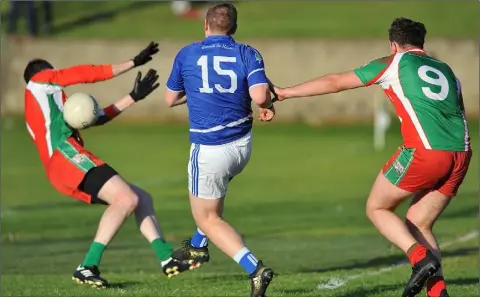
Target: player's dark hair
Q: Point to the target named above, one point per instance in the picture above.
(222, 18)
(35, 66)
(407, 32)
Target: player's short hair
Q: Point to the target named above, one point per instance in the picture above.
(35, 66)
(407, 32)
(222, 18)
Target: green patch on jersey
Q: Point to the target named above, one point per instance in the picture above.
(371, 71)
(258, 57)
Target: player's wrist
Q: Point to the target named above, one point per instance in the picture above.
(266, 105)
(134, 96)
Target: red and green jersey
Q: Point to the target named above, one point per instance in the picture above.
(44, 99)
(427, 98)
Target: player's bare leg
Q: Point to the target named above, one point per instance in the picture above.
(384, 198)
(150, 229)
(121, 201)
(421, 216)
(145, 215)
(208, 217)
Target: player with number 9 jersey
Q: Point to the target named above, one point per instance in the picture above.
(435, 155)
(220, 78)
(427, 97)
(428, 100)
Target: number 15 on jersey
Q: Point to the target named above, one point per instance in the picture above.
(217, 67)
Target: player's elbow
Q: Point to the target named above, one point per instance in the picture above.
(170, 99)
(260, 100)
(169, 103)
(260, 94)
(335, 83)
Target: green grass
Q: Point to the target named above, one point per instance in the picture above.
(267, 19)
(300, 205)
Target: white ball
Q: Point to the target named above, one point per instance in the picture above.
(80, 111)
(180, 7)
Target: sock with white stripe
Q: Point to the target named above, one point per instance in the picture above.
(163, 250)
(247, 260)
(199, 239)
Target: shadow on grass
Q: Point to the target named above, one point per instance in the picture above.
(123, 285)
(296, 292)
(462, 281)
(367, 292)
(225, 278)
(386, 261)
(62, 204)
(466, 212)
(102, 16)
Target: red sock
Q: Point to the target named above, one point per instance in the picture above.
(435, 286)
(416, 253)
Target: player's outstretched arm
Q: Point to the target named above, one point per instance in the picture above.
(331, 83)
(142, 88)
(93, 73)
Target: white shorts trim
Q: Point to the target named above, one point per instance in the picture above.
(211, 167)
(221, 127)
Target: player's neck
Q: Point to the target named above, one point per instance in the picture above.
(215, 34)
(411, 49)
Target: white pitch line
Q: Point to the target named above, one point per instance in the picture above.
(335, 283)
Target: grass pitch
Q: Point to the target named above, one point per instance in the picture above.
(300, 205)
(264, 19)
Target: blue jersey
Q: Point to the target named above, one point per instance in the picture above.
(216, 75)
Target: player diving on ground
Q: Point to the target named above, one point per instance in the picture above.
(76, 172)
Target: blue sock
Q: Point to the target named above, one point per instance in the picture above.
(199, 239)
(247, 260)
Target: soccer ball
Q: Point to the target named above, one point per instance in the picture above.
(80, 111)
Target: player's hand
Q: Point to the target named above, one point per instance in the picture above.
(144, 86)
(266, 114)
(276, 91)
(279, 94)
(146, 54)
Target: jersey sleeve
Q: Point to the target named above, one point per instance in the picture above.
(373, 72)
(255, 67)
(80, 74)
(175, 80)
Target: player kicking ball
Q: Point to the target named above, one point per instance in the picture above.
(220, 78)
(435, 155)
(76, 172)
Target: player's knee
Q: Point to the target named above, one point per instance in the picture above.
(127, 201)
(205, 218)
(370, 211)
(418, 223)
(144, 198)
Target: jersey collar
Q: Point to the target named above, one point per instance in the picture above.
(417, 51)
(218, 38)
